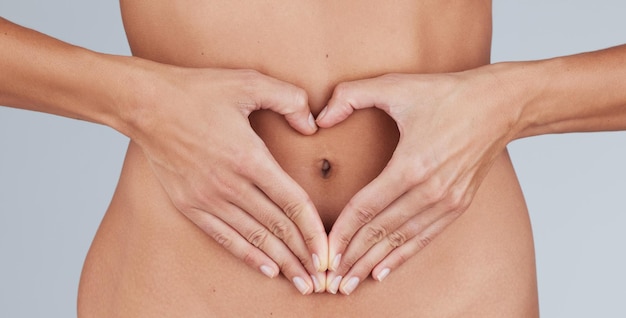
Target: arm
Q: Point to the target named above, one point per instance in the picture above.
(187, 122)
(580, 93)
(452, 127)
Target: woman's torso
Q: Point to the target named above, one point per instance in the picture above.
(148, 260)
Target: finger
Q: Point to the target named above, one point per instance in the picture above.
(405, 251)
(364, 207)
(396, 238)
(257, 238)
(350, 96)
(295, 203)
(332, 282)
(233, 242)
(287, 100)
(254, 202)
(407, 207)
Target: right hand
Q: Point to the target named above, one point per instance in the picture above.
(194, 129)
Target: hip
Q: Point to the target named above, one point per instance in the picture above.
(148, 260)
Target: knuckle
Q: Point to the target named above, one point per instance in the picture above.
(424, 241)
(374, 233)
(434, 193)
(250, 257)
(414, 174)
(363, 214)
(342, 90)
(311, 238)
(455, 199)
(402, 257)
(182, 203)
(225, 187)
(224, 240)
(295, 209)
(258, 237)
(280, 230)
(342, 238)
(396, 239)
(249, 160)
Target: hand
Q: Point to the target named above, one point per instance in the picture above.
(452, 127)
(219, 173)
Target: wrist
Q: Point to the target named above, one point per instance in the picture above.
(130, 95)
(521, 90)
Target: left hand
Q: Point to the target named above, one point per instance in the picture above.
(452, 128)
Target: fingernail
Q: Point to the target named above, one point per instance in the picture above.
(301, 285)
(322, 114)
(316, 284)
(336, 262)
(267, 271)
(312, 121)
(383, 274)
(321, 279)
(334, 285)
(317, 263)
(349, 287)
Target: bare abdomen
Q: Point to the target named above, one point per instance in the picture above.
(335, 163)
(148, 260)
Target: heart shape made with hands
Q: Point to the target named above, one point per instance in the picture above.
(334, 163)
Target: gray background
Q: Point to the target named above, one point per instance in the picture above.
(57, 175)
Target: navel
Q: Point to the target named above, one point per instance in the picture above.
(326, 169)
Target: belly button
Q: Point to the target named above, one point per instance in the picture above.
(326, 169)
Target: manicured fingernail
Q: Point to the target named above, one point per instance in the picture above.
(349, 287)
(312, 121)
(322, 114)
(316, 284)
(321, 279)
(317, 263)
(383, 274)
(336, 262)
(267, 271)
(301, 285)
(334, 285)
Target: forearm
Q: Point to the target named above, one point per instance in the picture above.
(579, 93)
(43, 74)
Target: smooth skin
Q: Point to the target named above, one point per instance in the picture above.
(249, 205)
(452, 128)
(524, 99)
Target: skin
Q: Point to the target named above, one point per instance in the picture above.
(513, 104)
(451, 177)
(180, 144)
(157, 263)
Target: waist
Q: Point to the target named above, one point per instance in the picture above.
(149, 260)
(332, 165)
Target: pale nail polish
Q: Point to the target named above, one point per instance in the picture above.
(336, 262)
(301, 285)
(317, 263)
(349, 287)
(383, 274)
(267, 271)
(316, 283)
(334, 285)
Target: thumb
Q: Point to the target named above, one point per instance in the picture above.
(287, 100)
(348, 97)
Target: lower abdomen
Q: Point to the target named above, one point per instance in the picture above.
(148, 260)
